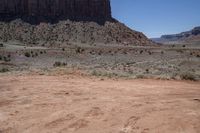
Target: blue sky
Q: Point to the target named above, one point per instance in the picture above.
(157, 17)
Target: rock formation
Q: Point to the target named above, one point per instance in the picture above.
(98, 25)
(52, 10)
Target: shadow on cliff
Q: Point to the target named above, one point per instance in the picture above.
(35, 20)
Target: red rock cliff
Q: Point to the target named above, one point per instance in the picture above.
(97, 10)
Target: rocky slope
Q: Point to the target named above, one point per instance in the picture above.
(79, 21)
(67, 32)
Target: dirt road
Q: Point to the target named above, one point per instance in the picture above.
(78, 104)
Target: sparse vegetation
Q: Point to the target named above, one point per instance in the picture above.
(36, 54)
(108, 74)
(59, 64)
(187, 76)
(1, 45)
(79, 50)
(6, 59)
(140, 76)
(147, 70)
(3, 70)
(149, 52)
(27, 54)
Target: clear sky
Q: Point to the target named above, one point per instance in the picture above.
(157, 17)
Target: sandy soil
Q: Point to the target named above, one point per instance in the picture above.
(73, 103)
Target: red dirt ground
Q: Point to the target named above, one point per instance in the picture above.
(82, 104)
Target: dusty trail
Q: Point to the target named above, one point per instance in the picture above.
(67, 104)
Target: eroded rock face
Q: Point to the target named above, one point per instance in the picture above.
(106, 30)
(41, 10)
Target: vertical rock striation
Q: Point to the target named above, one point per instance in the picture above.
(52, 10)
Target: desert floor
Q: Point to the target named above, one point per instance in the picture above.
(33, 103)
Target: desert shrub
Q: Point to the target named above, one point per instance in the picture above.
(3, 70)
(31, 52)
(162, 52)
(83, 41)
(79, 50)
(6, 59)
(141, 51)
(147, 70)
(124, 52)
(187, 76)
(100, 53)
(8, 55)
(27, 54)
(180, 51)
(63, 49)
(64, 64)
(95, 73)
(1, 44)
(140, 76)
(1, 58)
(36, 54)
(106, 74)
(41, 52)
(183, 46)
(150, 53)
(59, 64)
(198, 55)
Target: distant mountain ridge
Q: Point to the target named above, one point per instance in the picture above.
(183, 37)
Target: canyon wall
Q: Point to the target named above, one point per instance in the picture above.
(52, 10)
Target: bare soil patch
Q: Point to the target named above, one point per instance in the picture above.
(83, 104)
